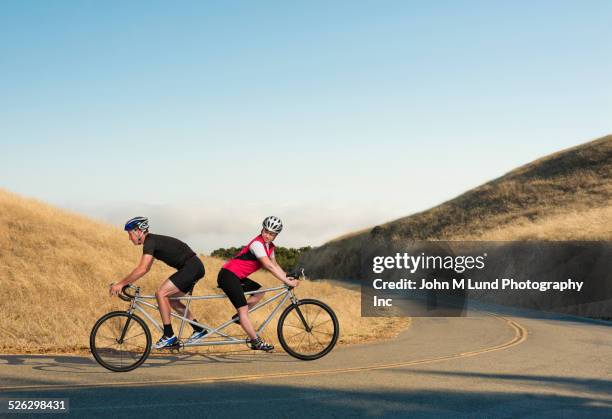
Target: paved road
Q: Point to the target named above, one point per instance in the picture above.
(491, 366)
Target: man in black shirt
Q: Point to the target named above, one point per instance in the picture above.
(176, 254)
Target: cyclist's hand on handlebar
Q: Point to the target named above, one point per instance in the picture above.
(293, 282)
(115, 289)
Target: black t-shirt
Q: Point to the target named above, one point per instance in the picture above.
(169, 250)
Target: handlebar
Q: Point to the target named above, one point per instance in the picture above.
(125, 295)
(297, 273)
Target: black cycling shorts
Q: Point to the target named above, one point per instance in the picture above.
(235, 287)
(186, 277)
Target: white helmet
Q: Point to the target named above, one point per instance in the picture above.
(273, 224)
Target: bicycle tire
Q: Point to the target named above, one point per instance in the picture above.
(287, 335)
(105, 354)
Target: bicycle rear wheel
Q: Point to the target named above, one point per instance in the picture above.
(120, 342)
(308, 330)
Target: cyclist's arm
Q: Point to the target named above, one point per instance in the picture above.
(143, 267)
(274, 268)
(273, 260)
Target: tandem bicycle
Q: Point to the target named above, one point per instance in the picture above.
(120, 341)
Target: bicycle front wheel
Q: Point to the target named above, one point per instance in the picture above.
(308, 330)
(120, 342)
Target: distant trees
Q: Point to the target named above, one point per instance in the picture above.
(287, 257)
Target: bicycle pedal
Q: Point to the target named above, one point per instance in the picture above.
(176, 346)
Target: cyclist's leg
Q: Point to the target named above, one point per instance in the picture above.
(231, 285)
(165, 290)
(254, 299)
(184, 281)
(245, 322)
(249, 285)
(179, 307)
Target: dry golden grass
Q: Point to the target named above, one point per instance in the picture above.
(590, 224)
(55, 268)
(564, 196)
(568, 182)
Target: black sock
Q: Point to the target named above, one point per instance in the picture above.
(168, 332)
(196, 328)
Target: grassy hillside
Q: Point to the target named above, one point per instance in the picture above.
(563, 196)
(55, 268)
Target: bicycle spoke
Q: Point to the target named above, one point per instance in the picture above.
(134, 345)
(319, 342)
(315, 319)
(115, 325)
(130, 354)
(296, 327)
(323, 333)
(108, 347)
(297, 334)
(105, 337)
(126, 349)
(299, 319)
(300, 344)
(308, 338)
(107, 330)
(133, 327)
(307, 313)
(323, 322)
(135, 336)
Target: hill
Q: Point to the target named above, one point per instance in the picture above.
(564, 196)
(56, 266)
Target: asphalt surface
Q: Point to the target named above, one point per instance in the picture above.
(489, 366)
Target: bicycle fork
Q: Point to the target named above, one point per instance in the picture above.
(127, 323)
(299, 312)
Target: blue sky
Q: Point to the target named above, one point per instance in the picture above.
(335, 116)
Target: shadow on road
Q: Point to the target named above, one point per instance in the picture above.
(230, 400)
(87, 365)
(567, 383)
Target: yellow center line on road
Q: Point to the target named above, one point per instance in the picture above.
(520, 336)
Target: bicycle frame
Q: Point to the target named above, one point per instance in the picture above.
(139, 303)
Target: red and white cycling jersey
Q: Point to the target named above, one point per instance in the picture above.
(246, 261)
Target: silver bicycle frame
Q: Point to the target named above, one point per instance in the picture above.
(139, 303)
